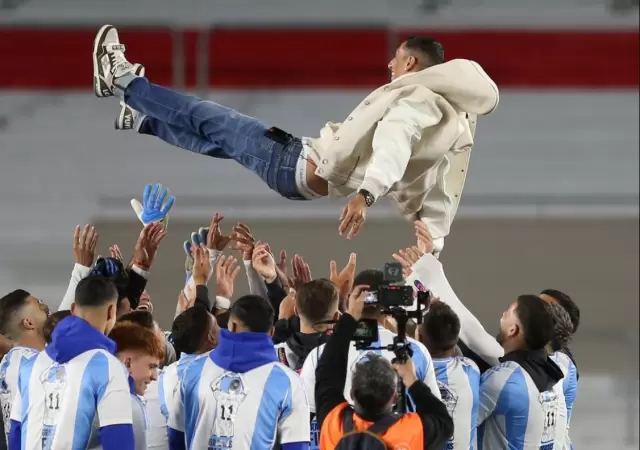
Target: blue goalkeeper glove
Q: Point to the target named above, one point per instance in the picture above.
(155, 206)
(197, 238)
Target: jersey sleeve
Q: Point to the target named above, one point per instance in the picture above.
(175, 405)
(16, 407)
(308, 376)
(492, 383)
(427, 373)
(294, 425)
(113, 395)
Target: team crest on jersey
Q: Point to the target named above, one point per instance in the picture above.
(449, 397)
(229, 391)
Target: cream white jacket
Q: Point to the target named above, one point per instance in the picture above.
(411, 140)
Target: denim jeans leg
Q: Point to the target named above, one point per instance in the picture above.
(178, 137)
(237, 136)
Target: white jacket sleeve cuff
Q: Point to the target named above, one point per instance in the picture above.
(257, 285)
(78, 273)
(428, 274)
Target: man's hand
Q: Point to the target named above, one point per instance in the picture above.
(201, 264)
(215, 239)
(147, 244)
(353, 216)
(115, 253)
(301, 272)
(408, 257)
(287, 306)
(355, 304)
(155, 206)
(425, 241)
(226, 272)
(85, 241)
(281, 269)
(244, 240)
(406, 371)
(263, 263)
(343, 280)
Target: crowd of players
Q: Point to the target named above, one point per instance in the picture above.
(277, 368)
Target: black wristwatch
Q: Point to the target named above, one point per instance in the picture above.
(369, 199)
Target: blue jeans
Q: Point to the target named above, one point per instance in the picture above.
(210, 129)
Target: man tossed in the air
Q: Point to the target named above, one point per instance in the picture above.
(410, 139)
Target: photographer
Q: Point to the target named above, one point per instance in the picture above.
(374, 392)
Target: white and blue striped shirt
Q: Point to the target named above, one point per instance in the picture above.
(169, 383)
(569, 387)
(256, 409)
(57, 403)
(459, 382)
(513, 413)
(9, 370)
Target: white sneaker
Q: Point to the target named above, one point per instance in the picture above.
(108, 61)
(127, 117)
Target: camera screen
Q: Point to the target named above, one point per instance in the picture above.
(367, 330)
(372, 297)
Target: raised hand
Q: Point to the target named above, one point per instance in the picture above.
(227, 271)
(263, 263)
(425, 241)
(301, 272)
(343, 280)
(244, 240)
(155, 206)
(147, 244)
(353, 216)
(408, 257)
(115, 253)
(85, 241)
(201, 264)
(215, 239)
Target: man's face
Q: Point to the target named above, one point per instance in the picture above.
(509, 324)
(34, 314)
(401, 63)
(143, 369)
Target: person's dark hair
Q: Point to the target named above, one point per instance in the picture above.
(51, 323)
(536, 321)
(142, 318)
(373, 384)
(429, 51)
(189, 330)
(567, 303)
(441, 327)
(315, 299)
(255, 312)
(95, 291)
(562, 326)
(10, 306)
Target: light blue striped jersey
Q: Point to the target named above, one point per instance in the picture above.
(61, 406)
(258, 409)
(459, 383)
(169, 383)
(9, 370)
(513, 413)
(569, 386)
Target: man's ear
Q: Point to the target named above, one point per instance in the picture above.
(73, 308)
(295, 310)
(271, 331)
(27, 324)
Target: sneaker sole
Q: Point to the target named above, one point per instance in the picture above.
(99, 87)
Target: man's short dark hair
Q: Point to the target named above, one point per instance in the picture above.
(429, 51)
(373, 384)
(189, 330)
(316, 299)
(142, 318)
(95, 291)
(10, 306)
(441, 327)
(562, 326)
(567, 303)
(51, 323)
(255, 312)
(536, 321)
